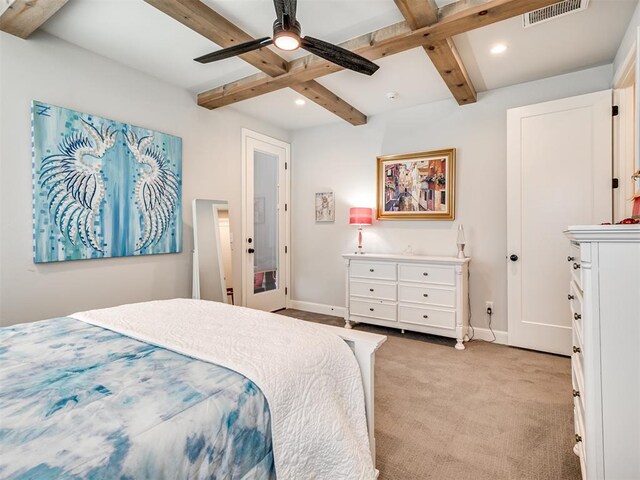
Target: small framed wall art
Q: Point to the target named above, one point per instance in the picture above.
(325, 207)
(417, 186)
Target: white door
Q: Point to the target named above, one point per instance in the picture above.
(558, 174)
(265, 229)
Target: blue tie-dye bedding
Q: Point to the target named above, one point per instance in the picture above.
(81, 402)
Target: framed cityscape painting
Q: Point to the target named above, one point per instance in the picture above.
(417, 186)
(103, 188)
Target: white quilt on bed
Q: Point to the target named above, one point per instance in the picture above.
(309, 377)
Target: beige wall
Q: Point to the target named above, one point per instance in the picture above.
(343, 159)
(50, 70)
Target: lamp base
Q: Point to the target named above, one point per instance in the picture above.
(359, 251)
(461, 251)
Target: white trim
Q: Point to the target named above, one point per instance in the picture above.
(243, 257)
(485, 334)
(622, 77)
(318, 308)
(390, 257)
(623, 150)
(603, 233)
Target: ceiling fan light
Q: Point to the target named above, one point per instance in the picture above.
(286, 41)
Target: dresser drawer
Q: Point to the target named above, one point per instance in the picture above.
(583, 461)
(577, 382)
(427, 316)
(579, 428)
(381, 291)
(373, 270)
(438, 274)
(373, 309)
(577, 365)
(575, 264)
(577, 337)
(426, 294)
(574, 253)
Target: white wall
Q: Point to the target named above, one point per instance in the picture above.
(50, 70)
(343, 159)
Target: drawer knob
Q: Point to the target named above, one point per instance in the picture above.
(577, 316)
(578, 438)
(576, 266)
(425, 273)
(425, 316)
(576, 349)
(425, 294)
(371, 289)
(371, 309)
(371, 269)
(570, 259)
(576, 393)
(571, 297)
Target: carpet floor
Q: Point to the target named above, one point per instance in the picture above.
(488, 412)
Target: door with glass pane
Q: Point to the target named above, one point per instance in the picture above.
(265, 228)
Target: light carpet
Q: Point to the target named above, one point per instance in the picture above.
(488, 412)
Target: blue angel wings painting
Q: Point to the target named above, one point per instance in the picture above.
(103, 188)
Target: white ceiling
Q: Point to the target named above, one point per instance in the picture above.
(136, 34)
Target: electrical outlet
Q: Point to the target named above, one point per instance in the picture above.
(489, 307)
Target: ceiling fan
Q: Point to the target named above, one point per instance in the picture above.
(286, 36)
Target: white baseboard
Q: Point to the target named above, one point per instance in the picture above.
(317, 308)
(485, 334)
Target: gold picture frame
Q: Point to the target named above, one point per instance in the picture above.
(417, 186)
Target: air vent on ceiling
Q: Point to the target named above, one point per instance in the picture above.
(556, 10)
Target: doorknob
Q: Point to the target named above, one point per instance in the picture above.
(251, 250)
(513, 258)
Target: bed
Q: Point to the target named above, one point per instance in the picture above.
(185, 389)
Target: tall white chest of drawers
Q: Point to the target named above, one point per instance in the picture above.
(410, 292)
(605, 305)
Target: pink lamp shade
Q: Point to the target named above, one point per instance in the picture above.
(360, 216)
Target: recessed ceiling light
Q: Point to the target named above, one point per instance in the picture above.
(300, 102)
(498, 48)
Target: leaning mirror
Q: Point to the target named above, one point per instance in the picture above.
(212, 239)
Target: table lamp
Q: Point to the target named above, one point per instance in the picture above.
(360, 216)
(460, 241)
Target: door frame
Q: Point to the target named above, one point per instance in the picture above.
(626, 84)
(246, 134)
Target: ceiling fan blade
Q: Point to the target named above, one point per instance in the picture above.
(235, 50)
(286, 8)
(339, 56)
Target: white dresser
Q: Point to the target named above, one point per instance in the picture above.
(605, 305)
(423, 294)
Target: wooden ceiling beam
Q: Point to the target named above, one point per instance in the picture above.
(23, 17)
(454, 19)
(202, 19)
(418, 13)
(324, 97)
(443, 53)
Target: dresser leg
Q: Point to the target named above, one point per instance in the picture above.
(459, 344)
(347, 324)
